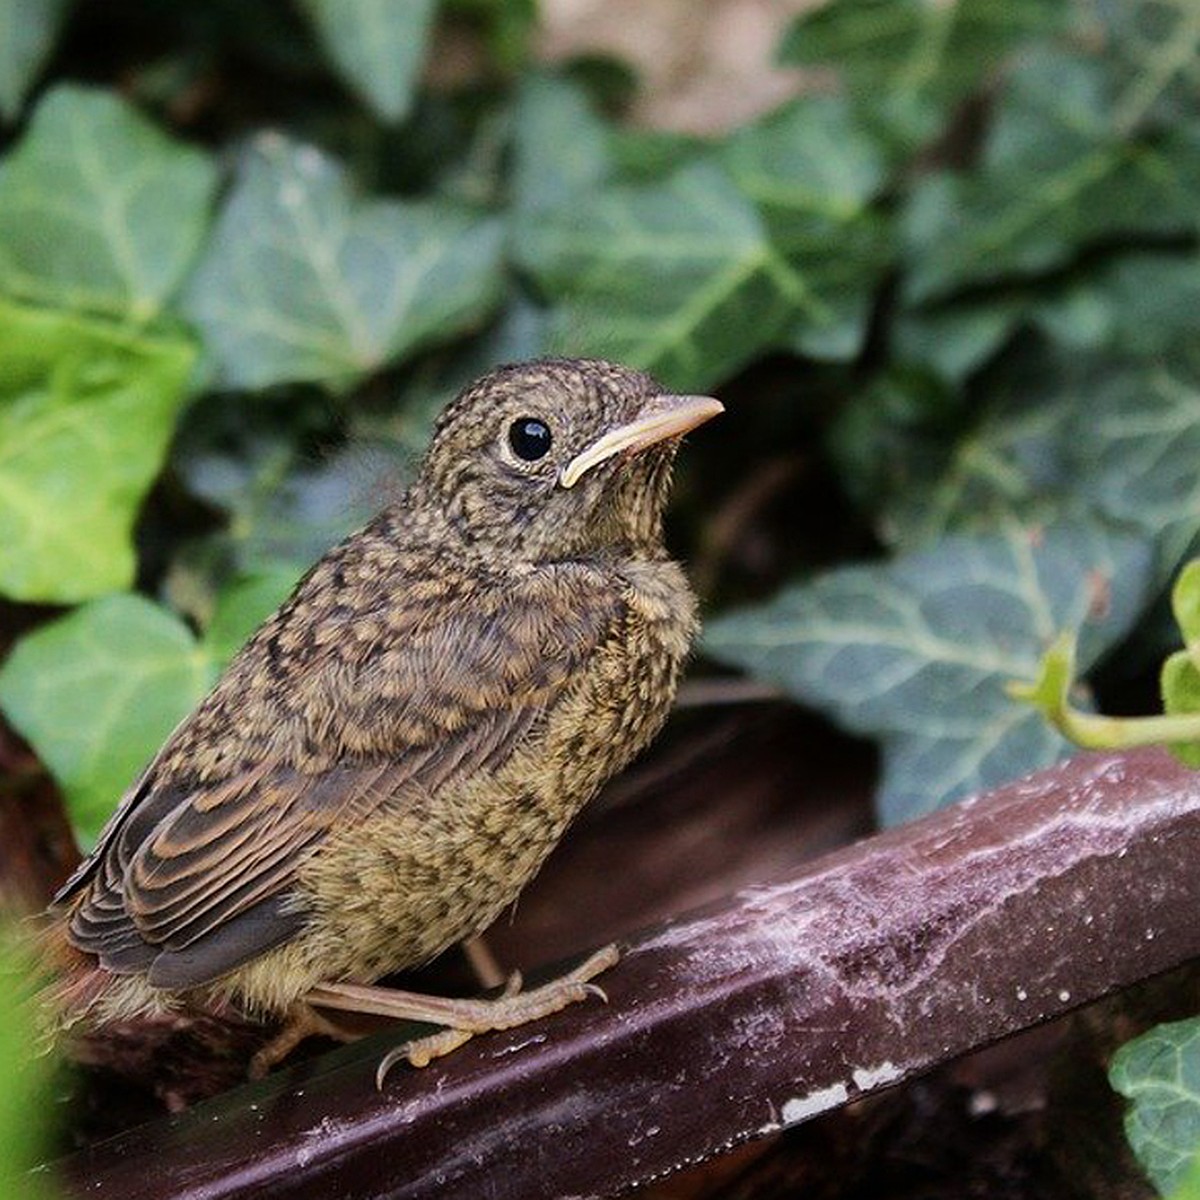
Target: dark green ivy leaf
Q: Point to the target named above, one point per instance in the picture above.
(679, 278)
(1057, 177)
(377, 46)
(306, 280)
(916, 652)
(908, 61)
(99, 210)
(1159, 1073)
(27, 33)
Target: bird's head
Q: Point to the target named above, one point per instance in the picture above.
(559, 458)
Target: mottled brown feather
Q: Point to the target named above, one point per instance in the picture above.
(390, 758)
(464, 688)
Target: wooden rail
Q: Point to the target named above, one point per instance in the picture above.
(867, 967)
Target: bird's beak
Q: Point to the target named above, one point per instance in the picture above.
(661, 417)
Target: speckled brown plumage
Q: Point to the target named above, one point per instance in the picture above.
(390, 758)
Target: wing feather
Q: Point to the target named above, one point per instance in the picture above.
(193, 875)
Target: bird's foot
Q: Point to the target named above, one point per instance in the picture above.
(302, 1022)
(463, 1018)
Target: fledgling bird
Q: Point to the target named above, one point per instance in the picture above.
(389, 759)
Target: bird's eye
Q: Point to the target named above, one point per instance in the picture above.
(529, 438)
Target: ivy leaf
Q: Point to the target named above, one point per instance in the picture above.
(1137, 304)
(1052, 431)
(86, 415)
(679, 278)
(100, 211)
(813, 171)
(928, 460)
(647, 155)
(305, 280)
(957, 338)
(377, 46)
(1189, 1183)
(561, 148)
(97, 692)
(907, 61)
(1135, 440)
(1159, 1073)
(810, 167)
(1056, 178)
(918, 651)
(27, 34)
(285, 505)
(1154, 42)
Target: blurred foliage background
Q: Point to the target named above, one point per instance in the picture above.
(942, 259)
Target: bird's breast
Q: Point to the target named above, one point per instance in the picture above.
(437, 868)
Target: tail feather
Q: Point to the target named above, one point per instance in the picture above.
(77, 991)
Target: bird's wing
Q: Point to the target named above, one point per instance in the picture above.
(196, 879)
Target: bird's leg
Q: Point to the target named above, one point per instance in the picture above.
(483, 962)
(302, 1022)
(463, 1018)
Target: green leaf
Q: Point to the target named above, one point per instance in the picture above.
(27, 1102)
(305, 280)
(648, 155)
(813, 171)
(907, 61)
(28, 29)
(1159, 1073)
(958, 338)
(1056, 178)
(289, 494)
(377, 46)
(1049, 431)
(97, 692)
(1157, 43)
(810, 167)
(1188, 1187)
(561, 148)
(1185, 604)
(1139, 304)
(86, 414)
(98, 209)
(928, 461)
(1180, 686)
(1135, 304)
(1135, 440)
(918, 651)
(678, 278)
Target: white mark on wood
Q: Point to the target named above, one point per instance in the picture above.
(866, 1079)
(800, 1108)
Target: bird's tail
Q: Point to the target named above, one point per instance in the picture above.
(76, 993)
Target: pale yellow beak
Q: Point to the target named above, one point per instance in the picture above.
(661, 417)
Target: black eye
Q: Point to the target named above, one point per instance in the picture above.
(529, 438)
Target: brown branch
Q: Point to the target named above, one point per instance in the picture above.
(870, 966)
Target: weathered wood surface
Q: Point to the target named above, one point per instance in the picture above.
(867, 967)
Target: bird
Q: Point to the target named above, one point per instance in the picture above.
(389, 759)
